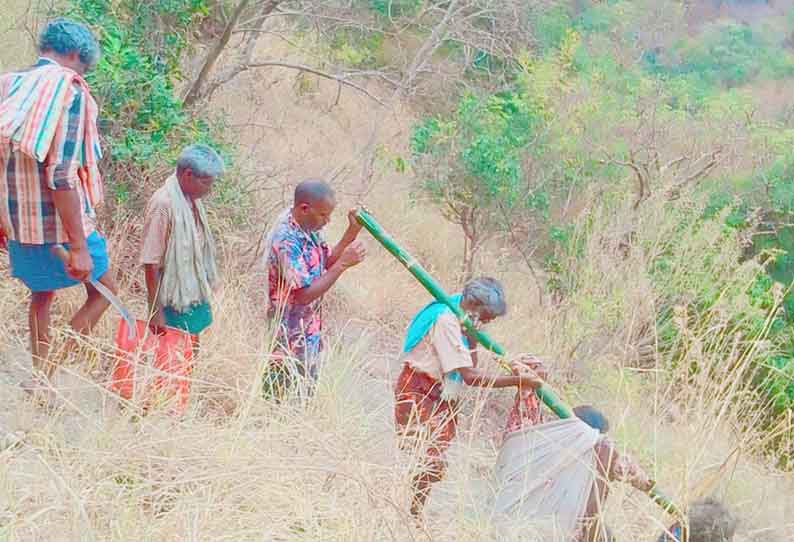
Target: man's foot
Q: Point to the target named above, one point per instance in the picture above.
(418, 507)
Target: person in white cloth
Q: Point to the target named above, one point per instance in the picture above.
(557, 474)
(611, 466)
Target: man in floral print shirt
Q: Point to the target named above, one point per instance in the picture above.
(301, 269)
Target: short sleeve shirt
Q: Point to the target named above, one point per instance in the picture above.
(441, 351)
(27, 207)
(157, 228)
(297, 258)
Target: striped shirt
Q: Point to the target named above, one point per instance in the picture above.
(27, 209)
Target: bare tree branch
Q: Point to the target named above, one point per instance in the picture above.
(194, 91)
(526, 257)
(430, 45)
(341, 79)
(712, 161)
(642, 190)
(251, 37)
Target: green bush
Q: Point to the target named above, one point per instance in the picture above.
(598, 18)
(727, 55)
(357, 48)
(142, 119)
(471, 163)
(759, 310)
(551, 26)
(395, 8)
(483, 140)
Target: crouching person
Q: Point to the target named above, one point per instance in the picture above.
(611, 466)
(178, 249)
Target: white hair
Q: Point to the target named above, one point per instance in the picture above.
(487, 293)
(202, 159)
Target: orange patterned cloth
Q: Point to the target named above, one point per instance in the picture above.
(421, 416)
(526, 412)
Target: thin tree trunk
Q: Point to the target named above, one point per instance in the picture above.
(245, 60)
(471, 246)
(194, 93)
(429, 46)
(466, 268)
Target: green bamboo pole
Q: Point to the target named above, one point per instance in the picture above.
(546, 394)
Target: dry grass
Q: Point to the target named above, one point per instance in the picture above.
(18, 30)
(239, 468)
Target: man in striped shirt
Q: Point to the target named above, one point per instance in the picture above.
(50, 183)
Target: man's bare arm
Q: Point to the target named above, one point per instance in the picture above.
(153, 276)
(319, 287)
(479, 377)
(67, 204)
(623, 468)
(353, 255)
(65, 195)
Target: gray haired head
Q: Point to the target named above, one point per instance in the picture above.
(202, 160)
(65, 36)
(487, 294)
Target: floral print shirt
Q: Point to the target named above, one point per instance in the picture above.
(297, 258)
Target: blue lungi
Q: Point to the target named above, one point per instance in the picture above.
(43, 271)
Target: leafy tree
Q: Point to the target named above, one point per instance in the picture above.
(142, 120)
(471, 164)
(726, 55)
(395, 8)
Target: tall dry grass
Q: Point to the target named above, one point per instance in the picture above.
(18, 25)
(237, 467)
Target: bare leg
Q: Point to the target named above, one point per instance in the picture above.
(196, 346)
(423, 482)
(39, 322)
(86, 318)
(593, 528)
(95, 305)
